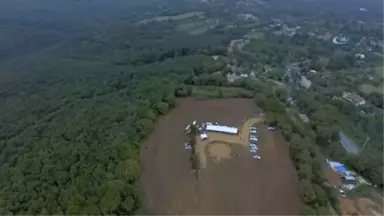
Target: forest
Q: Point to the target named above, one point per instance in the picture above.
(80, 90)
(77, 97)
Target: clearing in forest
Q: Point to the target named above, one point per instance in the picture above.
(176, 17)
(236, 185)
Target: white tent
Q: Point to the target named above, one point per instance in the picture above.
(222, 129)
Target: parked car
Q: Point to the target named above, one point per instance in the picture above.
(342, 193)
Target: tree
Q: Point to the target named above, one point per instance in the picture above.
(307, 194)
(321, 196)
(162, 107)
(128, 170)
(322, 210)
(308, 210)
(305, 171)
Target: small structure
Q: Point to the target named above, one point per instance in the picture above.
(349, 180)
(306, 83)
(340, 40)
(222, 129)
(203, 136)
(354, 98)
(188, 129)
(360, 56)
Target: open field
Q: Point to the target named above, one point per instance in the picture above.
(166, 18)
(230, 184)
(368, 88)
(254, 35)
(197, 27)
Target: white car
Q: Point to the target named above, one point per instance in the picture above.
(342, 193)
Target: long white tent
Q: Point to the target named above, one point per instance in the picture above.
(222, 129)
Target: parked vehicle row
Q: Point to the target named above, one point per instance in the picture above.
(254, 141)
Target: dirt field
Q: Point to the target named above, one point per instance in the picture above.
(368, 207)
(347, 207)
(222, 142)
(236, 185)
(332, 176)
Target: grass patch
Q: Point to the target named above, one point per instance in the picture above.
(368, 88)
(197, 27)
(254, 35)
(166, 18)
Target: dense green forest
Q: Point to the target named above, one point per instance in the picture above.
(79, 94)
(82, 83)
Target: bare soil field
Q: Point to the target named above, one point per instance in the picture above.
(368, 207)
(332, 176)
(231, 184)
(221, 142)
(348, 207)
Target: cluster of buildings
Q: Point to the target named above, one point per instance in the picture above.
(215, 127)
(212, 127)
(348, 178)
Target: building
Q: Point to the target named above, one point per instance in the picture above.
(222, 129)
(349, 180)
(306, 83)
(360, 56)
(340, 39)
(354, 98)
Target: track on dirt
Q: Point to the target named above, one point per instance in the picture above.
(240, 185)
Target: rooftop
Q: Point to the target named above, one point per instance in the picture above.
(353, 98)
(224, 129)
